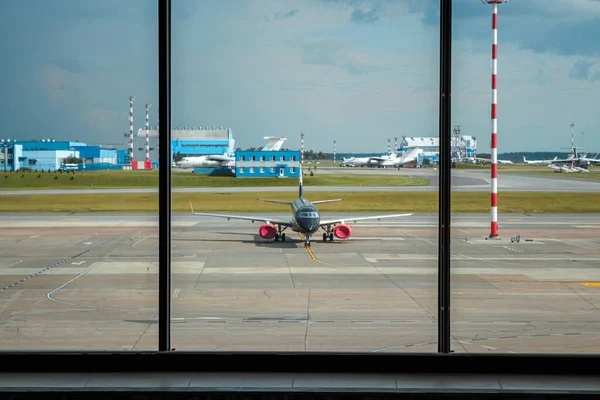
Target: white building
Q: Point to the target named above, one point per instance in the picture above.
(419, 148)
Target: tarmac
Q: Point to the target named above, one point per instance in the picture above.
(89, 281)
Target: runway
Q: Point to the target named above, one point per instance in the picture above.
(83, 281)
(462, 181)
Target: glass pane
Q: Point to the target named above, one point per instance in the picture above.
(525, 280)
(78, 265)
(341, 90)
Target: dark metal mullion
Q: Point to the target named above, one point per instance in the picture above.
(164, 182)
(444, 175)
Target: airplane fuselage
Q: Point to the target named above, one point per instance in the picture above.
(198, 162)
(306, 217)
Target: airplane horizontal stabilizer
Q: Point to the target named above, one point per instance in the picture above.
(325, 201)
(287, 203)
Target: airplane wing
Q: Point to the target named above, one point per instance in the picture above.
(257, 218)
(354, 219)
(325, 201)
(287, 203)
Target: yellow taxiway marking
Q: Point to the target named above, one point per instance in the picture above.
(315, 259)
(312, 255)
(486, 181)
(595, 284)
(515, 220)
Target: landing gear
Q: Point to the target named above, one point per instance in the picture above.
(328, 235)
(307, 242)
(280, 234)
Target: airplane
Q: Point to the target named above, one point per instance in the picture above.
(368, 161)
(207, 161)
(478, 160)
(222, 161)
(305, 220)
(538, 162)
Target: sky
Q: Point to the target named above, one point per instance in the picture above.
(358, 72)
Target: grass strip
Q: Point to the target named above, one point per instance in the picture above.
(371, 202)
(149, 179)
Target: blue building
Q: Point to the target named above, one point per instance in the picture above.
(48, 155)
(37, 145)
(97, 154)
(267, 164)
(47, 160)
(10, 155)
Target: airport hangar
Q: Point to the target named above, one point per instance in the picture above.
(49, 155)
(421, 148)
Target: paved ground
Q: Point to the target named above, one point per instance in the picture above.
(90, 282)
(462, 181)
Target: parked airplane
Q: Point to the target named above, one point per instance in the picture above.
(574, 160)
(478, 160)
(208, 161)
(538, 162)
(222, 161)
(368, 161)
(305, 220)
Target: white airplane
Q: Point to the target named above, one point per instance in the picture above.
(208, 161)
(574, 160)
(478, 160)
(224, 161)
(538, 162)
(368, 161)
(305, 220)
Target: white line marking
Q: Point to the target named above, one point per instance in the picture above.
(85, 238)
(49, 294)
(488, 347)
(141, 240)
(15, 263)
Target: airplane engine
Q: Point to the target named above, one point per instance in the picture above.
(267, 231)
(342, 231)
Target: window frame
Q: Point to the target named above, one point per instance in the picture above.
(168, 359)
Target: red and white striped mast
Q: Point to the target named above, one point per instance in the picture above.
(147, 132)
(494, 143)
(301, 149)
(131, 99)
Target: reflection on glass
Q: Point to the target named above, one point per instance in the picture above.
(78, 265)
(264, 92)
(528, 285)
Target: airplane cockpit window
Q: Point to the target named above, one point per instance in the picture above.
(307, 214)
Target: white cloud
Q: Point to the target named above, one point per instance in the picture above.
(523, 102)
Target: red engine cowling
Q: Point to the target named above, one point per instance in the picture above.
(342, 231)
(267, 231)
